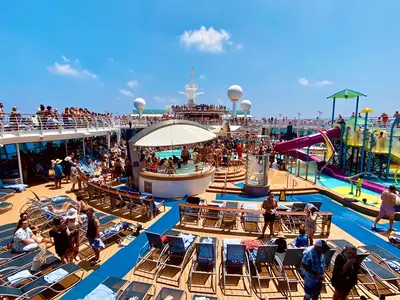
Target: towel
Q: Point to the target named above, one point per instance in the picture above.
(20, 276)
(282, 207)
(101, 292)
(207, 241)
(55, 275)
(394, 265)
(187, 239)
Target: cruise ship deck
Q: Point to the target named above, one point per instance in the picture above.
(120, 262)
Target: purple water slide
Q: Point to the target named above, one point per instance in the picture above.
(306, 141)
(291, 148)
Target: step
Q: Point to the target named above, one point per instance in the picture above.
(235, 188)
(231, 176)
(219, 191)
(241, 178)
(230, 172)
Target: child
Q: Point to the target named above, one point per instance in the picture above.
(311, 222)
(196, 168)
(359, 185)
(301, 241)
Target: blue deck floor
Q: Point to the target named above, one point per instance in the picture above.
(124, 260)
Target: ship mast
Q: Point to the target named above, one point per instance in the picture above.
(191, 91)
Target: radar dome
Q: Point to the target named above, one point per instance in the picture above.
(139, 103)
(245, 105)
(235, 92)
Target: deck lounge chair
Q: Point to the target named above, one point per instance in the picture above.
(235, 263)
(150, 254)
(8, 226)
(263, 265)
(175, 294)
(5, 206)
(230, 218)
(176, 256)
(204, 263)
(109, 285)
(42, 283)
(198, 297)
(192, 215)
(383, 256)
(23, 264)
(374, 276)
(250, 220)
(137, 290)
(290, 266)
(212, 218)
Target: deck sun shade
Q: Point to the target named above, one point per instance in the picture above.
(172, 133)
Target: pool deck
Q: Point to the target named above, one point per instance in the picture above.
(343, 227)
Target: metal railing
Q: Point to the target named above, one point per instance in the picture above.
(17, 123)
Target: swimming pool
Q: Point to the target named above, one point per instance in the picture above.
(169, 153)
(185, 169)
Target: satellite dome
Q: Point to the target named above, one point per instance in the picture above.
(139, 103)
(245, 105)
(235, 92)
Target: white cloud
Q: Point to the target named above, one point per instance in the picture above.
(132, 83)
(305, 82)
(202, 76)
(126, 93)
(208, 40)
(324, 82)
(65, 59)
(68, 70)
(163, 99)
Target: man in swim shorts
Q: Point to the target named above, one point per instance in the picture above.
(389, 200)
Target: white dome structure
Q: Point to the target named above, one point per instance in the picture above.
(235, 92)
(245, 105)
(140, 105)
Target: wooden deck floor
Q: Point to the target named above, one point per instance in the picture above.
(272, 291)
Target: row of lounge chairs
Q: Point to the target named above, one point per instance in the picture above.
(249, 220)
(253, 268)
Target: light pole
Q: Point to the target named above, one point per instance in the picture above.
(365, 111)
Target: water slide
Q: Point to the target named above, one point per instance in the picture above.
(291, 148)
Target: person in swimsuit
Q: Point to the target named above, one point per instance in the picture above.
(268, 207)
(73, 223)
(93, 236)
(389, 200)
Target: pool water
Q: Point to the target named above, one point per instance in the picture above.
(169, 153)
(185, 169)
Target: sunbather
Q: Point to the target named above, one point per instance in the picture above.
(24, 239)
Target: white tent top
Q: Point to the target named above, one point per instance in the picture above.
(172, 133)
(217, 129)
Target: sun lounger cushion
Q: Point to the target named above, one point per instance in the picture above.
(101, 292)
(55, 275)
(18, 277)
(16, 187)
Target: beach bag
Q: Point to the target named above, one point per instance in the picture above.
(51, 173)
(39, 260)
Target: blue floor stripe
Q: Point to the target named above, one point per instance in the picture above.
(125, 259)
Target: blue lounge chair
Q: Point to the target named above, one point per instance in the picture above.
(204, 263)
(137, 290)
(149, 257)
(112, 284)
(176, 256)
(41, 284)
(235, 263)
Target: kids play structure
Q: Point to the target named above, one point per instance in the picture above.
(354, 146)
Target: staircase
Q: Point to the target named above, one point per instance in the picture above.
(231, 175)
(220, 188)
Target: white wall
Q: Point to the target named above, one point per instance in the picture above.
(179, 188)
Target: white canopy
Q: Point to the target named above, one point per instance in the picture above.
(172, 133)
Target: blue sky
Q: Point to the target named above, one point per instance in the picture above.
(288, 56)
